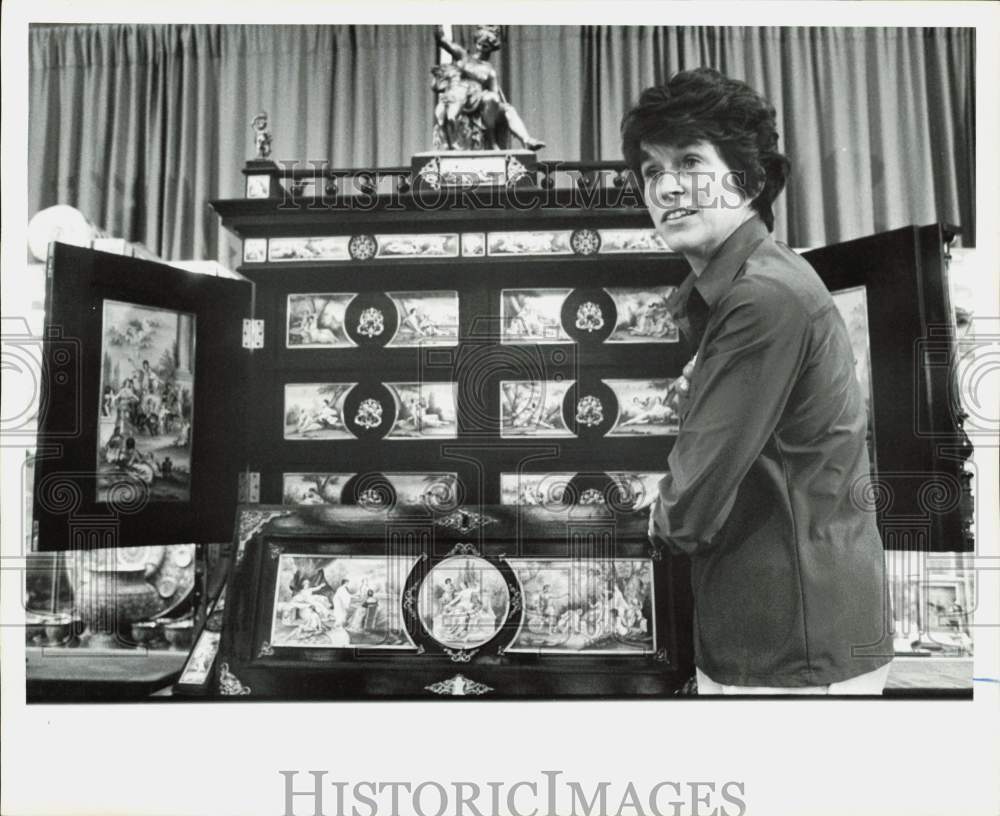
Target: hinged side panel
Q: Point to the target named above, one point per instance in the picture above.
(142, 416)
(892, 290)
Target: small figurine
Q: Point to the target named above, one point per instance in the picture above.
(262, 136)
(471, 112)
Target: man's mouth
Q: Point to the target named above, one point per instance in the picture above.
(677, 214)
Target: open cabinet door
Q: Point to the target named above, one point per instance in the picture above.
(142, 403)
(892, 290)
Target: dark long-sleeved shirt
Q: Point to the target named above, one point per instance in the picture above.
(768, 477)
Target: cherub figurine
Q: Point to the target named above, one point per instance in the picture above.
(262, 136)
(472, 113)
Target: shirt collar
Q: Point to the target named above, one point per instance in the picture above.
(715, 278)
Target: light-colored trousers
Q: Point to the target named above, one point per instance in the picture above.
(869, 683)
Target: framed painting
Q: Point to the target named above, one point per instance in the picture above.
(950, 605)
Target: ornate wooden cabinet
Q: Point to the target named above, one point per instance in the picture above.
(471, 389)
(449, 408)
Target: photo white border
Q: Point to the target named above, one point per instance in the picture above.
(796, 757)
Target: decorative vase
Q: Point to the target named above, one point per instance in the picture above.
(114, 589)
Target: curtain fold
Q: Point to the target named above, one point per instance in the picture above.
(139, 126)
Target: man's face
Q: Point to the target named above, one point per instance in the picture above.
(693, 199)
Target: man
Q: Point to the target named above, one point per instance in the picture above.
(770, 464)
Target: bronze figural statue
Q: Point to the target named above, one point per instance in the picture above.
(262, 136)
(471, 112)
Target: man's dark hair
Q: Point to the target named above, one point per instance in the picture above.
(704, 105)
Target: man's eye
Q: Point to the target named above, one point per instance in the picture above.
(691, 161)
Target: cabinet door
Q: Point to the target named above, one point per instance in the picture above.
(892, 290)
(142, 403)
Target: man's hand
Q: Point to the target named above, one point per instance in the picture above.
(680, 389)
(654, 532)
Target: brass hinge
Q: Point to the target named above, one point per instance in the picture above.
(249, 487)
(253, 333)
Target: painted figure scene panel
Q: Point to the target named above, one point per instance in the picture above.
(147, 400)
(463, 602)
(644, 408)
(643, 316)
(425, 318)
(316, 411)
(575, 605)
(317, 321)
(340, 603)
(423, 410)
(436, 491)
(533, 408)
(533, 315)
(555, 490)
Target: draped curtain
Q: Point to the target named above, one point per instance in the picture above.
(139, 126)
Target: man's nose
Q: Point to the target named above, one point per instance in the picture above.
(669, 185)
